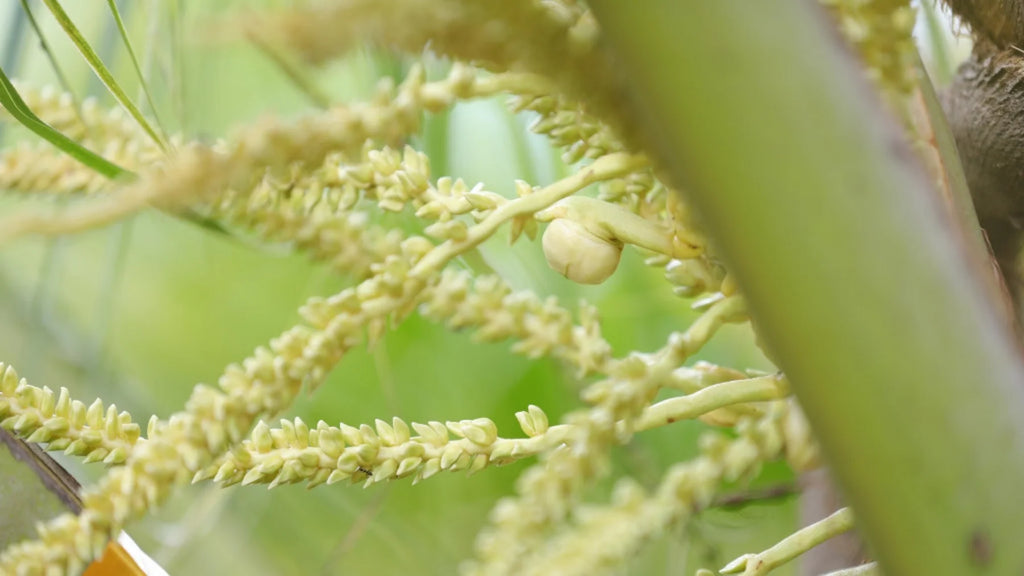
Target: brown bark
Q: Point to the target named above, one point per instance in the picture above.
(985, 107)
(998, 21)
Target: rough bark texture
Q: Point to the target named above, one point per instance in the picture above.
(999, 21)
(985, 106)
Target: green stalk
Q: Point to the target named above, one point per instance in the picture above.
(858, 283)
(135, 61)
(944, 66)
(101, 71)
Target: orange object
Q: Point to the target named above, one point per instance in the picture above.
(116, 561)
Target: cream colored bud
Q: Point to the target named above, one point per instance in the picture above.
(578, 254)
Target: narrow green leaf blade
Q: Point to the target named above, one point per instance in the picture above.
(100, 69)
(13, 103)
(135, 61)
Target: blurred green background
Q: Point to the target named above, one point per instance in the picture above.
(138, 312)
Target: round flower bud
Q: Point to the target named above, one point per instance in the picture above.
(578, 254)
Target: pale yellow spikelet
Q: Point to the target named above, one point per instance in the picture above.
(96, 432)
(882, 32)
(501, 36)
(42, 169)
(316, 211)
(504, 36)
(214, 419)
(550, 490)
(541, 327)
(295, 452)
(605, 537)
(89, 123)
(34, 168)
(198, 172)
(568, 126)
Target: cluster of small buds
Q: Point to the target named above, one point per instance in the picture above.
(38, 415)
(633, 516)
(212, 422)
(525, 224)
(634, 380)
(548, 493)
(882, 32)
(632, 383)
(35, 168)
(690, 379)
(40, 168)
(88, 122)
(520, 37)
(341, 130)
(802, 451)
(294, 452)
(216, 419)
(551, 489)
(198, 173)
(391, 177)
(601, 540)
(699, 272)
(568, 127)
(343, 237)
(640, 191)
(268, 381)
(85, 540)
(454, 197)
(540, 326)
(757, 441)
(398, 179)
(391, 117)
(691, 277)
(390, 291)
(398, 282)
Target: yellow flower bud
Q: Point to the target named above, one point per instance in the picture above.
(578, 254)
